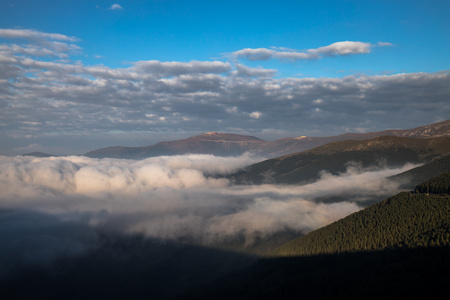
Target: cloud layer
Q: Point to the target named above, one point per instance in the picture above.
(335, 49)
(45, 95)
(56, 207)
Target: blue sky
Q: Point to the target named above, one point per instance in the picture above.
(138, 72)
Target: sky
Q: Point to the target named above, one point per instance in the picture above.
(80, 75)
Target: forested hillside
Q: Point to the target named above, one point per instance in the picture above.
(407, 219)
(437, 185)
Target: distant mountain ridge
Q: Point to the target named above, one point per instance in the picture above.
(220, 144)
(227, 144)
(39, 154)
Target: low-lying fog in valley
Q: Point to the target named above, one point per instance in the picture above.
(56, 207)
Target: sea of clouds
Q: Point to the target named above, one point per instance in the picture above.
(56, 207)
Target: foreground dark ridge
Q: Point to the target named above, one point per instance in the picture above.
(420, 273)
(226, 144)
(122, 267)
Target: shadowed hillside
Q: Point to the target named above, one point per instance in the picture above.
(415, 176)
(305, 166)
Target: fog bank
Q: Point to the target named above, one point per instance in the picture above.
(56, 207)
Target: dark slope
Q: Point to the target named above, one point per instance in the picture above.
(421, 273)
(397, 249)
(413, 177)
(305, 166)
(122, 267)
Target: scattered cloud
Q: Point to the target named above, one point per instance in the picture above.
(116, 7)
(384, 44)
(256, 115)
(335, 49)
(245, 71)
(180, 68)
(30, 34)
(37, 44)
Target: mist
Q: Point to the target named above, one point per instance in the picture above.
(57, 207)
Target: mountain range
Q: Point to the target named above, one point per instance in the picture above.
(395, 248)
(227, 144)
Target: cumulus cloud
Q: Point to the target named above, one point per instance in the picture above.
(178, 68)
(37, 43)
(242, 70)
(116, 7)
(34, 35)
(335, 49)
(343, 48)
(256, 115)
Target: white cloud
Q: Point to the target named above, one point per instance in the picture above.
(179, 68)
(318, 101)
(256, 115)
(335, 49)
(39, 43)
(254, 72)
(255, 54)
(384, 44)
(116, 7)
(34, 35)
(343, 48)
